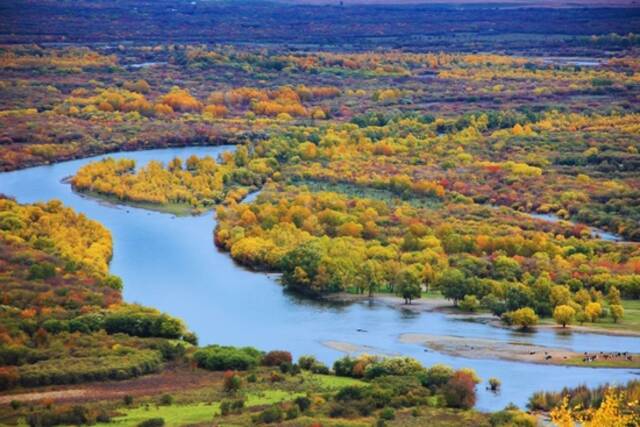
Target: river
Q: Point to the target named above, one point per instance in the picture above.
(171, 263)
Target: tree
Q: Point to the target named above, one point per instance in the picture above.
(373, 276)
(506, 268)
(453, 284)
(518, 296)
(617, 312)
(469, 303)
(524, 317)
(564, 315)
(583, 297)
(460, 390)
(409, 285)
(593, 310)
(560, 295)
(613, 297)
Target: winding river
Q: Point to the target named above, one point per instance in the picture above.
(171, 263)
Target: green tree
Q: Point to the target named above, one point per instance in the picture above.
(409, 285)
(453, 284)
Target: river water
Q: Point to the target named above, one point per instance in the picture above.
(171, 263)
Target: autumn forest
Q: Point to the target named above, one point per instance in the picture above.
(219, 213)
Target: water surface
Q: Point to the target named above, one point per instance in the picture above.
(172, 264)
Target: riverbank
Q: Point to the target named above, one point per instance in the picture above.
(437, 303)
(474, 348)
(177, 209)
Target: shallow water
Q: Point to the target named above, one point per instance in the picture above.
(171, 263)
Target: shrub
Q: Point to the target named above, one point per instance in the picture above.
(275, 377)
(394, 366)
(152, 422)
(494, 384)
(76, 415)
(511, 416)
(388, 414)
(42, 271)
(9, 377)
(72, 370)
(231, 406)
(277, 358)
(272, 414)
(460, 391)
(306, 362)
(292, 413)
(166, 399)
(436, 376)
(469, 303)
(231, 382)
(303, 403)
(219, 358)
(144, 325)
(344, 367)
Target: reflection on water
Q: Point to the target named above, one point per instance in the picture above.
(171, 263)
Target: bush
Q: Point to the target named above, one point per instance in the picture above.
(494, 384)
(42, 271)
(219, 358)
(387, 414)
(272, 414)
(469, 303)
(71, 370)
(292, 413)
(303, 403)
(436, 376)
(172, 351)
(277, 358)
(306, 362)
(166, 400)
(231, 382)
(144, 325)
(511, 416)
(460, 391)
(344, 367)
(394, 366)
(76, 415)
(152, 422)
(231, 406)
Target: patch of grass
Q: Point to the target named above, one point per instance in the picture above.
(630, 321)
(369, 193)
(177, 209)
(577, 361)
(439, 417)
(179, 415)
(330, 382)
(175, 415)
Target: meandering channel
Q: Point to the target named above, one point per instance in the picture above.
(171, 263)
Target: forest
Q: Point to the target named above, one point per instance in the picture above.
(474, 165)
